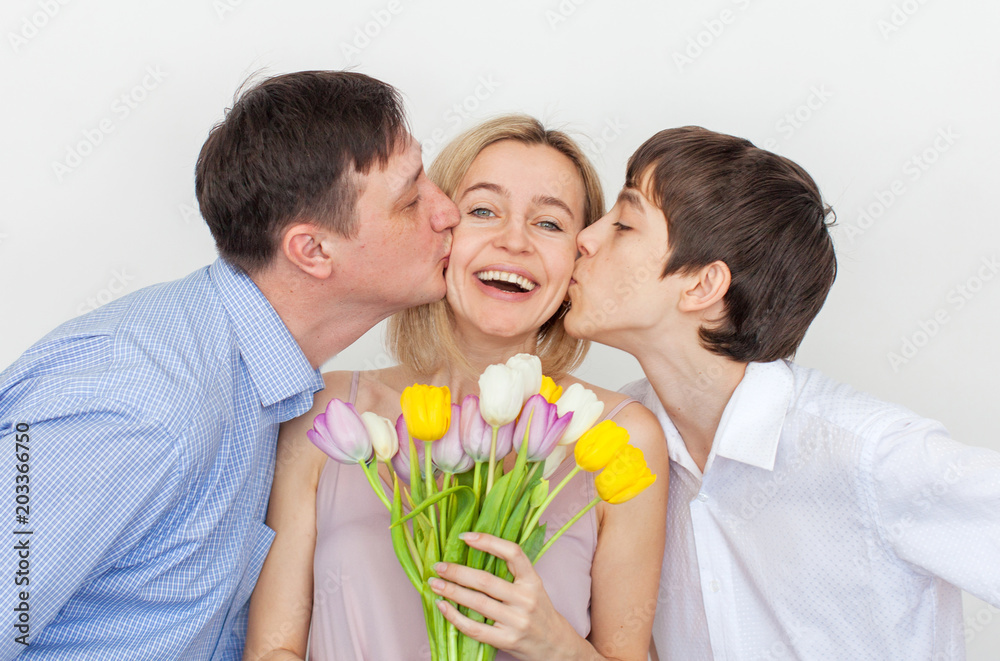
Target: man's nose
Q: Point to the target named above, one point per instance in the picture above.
(444, 214)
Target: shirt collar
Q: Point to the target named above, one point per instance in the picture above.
(278, 368)
(751, 423)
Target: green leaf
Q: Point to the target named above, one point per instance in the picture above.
(440, 495)
(488, 518)
(535, 541)
(539, 493)
(399, 543)
(455, 549)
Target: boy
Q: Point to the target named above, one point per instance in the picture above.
(806, 520)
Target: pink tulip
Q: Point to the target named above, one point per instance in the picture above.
(447, 453)
(543, 426)
(341, 434)
(477, 434)
(401, 460)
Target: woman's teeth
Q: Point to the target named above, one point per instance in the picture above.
(492, 277)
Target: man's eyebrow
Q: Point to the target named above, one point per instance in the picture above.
(629, 197)
(549, 200)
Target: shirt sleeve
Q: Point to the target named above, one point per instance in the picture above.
(95, 482)
(937, 504)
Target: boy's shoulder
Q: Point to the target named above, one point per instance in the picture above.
(841, 405)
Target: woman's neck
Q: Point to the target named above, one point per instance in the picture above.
(480, 351)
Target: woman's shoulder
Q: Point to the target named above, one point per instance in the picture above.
(641, 423)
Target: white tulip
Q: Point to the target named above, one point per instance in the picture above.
(553, 460)
(501, 394)
(586, 410)
(530, 369)
(383, 435)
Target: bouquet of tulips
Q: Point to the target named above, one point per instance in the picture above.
(517, 408)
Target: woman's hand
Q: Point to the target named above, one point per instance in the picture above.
(525, 623)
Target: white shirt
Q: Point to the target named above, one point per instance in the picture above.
(827, 525)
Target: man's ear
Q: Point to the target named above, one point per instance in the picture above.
(706, 287)
(310, 248)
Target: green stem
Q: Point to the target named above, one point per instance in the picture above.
(565, 527)
(541, 508)
(430, 485)
(476, 482)
(493, 459)
(375, 484)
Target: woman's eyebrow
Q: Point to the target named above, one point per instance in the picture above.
(548, 200)
(485, 185)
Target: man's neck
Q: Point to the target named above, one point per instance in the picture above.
(323, 322)
(694, 386)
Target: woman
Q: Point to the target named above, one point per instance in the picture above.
(524, 194)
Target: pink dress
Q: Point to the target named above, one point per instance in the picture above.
(364, 607)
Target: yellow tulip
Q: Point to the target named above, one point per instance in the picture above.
(427, 411)
(625, 477)
(598, 446)
(550, 391)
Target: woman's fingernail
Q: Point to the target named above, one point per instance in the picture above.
(435, 583)
(468, 536)
(440, 567)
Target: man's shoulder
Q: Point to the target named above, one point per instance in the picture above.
(144, 350)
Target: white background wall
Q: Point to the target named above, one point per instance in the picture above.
(890, 104)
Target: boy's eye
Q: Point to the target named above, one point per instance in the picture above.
(621, 227)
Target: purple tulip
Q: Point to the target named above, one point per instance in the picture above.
(477, 434)
(543, 426)
(401, 460)
(447, 453)
(341, 434)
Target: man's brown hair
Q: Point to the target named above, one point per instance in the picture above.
(725, 199)
(291, 148)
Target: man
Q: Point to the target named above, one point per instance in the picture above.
(145, 430)
(806, 520)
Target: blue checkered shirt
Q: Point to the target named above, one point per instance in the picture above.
(152, 424)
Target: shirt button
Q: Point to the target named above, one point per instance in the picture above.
(702, 496)
(714, 586)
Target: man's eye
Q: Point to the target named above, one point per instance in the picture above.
(414, 203)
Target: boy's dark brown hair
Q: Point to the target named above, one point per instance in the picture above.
(761, 214)
(291, 148)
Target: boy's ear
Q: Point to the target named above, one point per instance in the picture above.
(706, 287)
(310, 248)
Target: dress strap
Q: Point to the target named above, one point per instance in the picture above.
(622, 404)
(354, 386)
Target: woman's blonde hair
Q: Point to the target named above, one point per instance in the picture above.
(423, 338)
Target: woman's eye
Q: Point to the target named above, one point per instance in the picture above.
(481, 212)
(550, 225)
